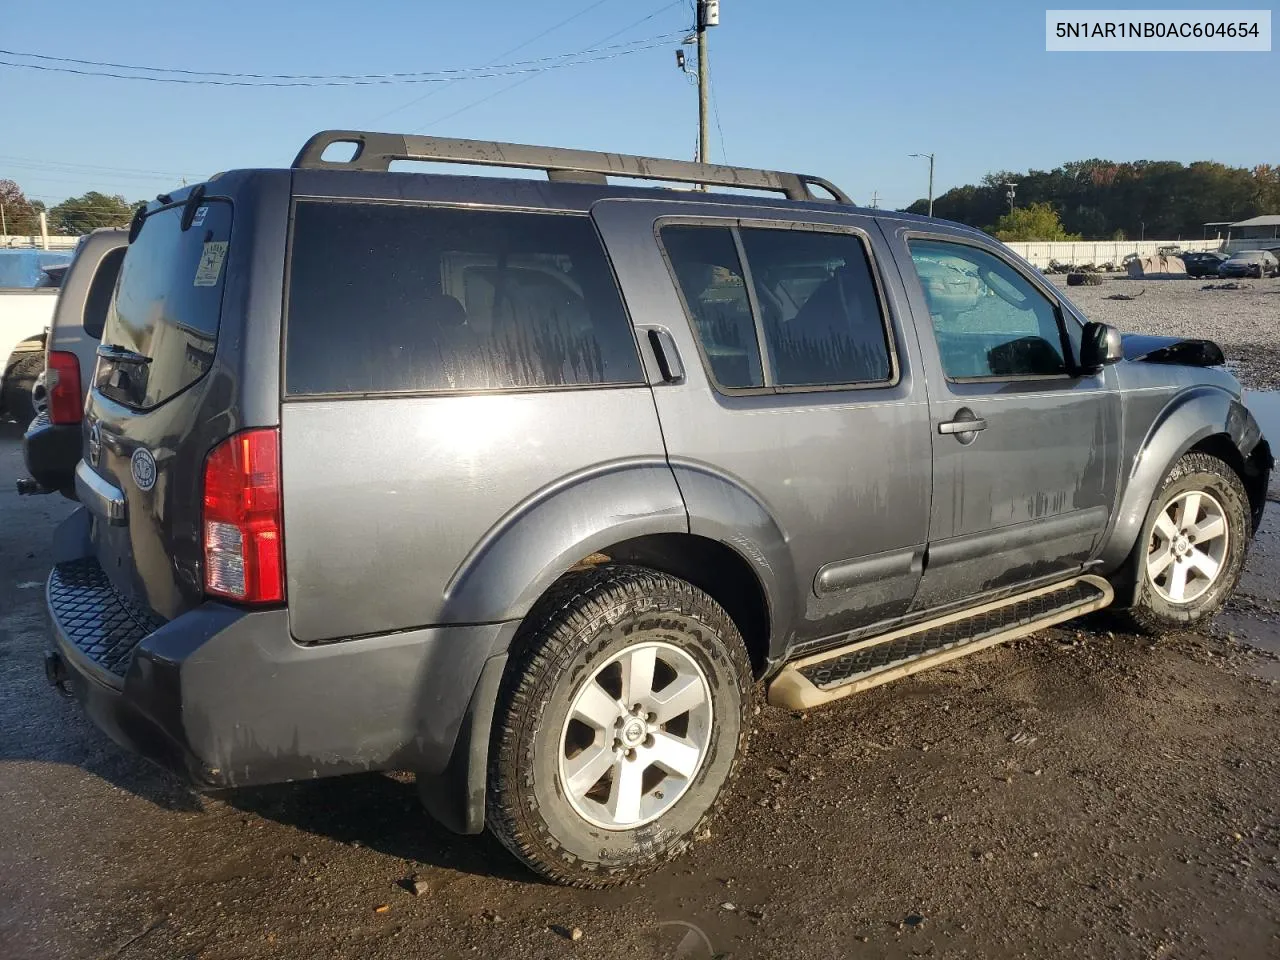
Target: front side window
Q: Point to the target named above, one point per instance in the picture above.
(989, 321)
(386, 298)
(820, 320)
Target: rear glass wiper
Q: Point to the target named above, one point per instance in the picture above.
(113, 351)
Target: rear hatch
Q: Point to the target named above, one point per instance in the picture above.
(164, 394)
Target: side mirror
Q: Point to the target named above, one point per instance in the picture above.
(1101, 345)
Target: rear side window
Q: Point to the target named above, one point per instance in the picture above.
(387, 298)
(705, 262)
(822, 317)
(98, 301)
(812, 318)
(165, 314)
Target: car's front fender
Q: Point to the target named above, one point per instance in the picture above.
(1189, 418)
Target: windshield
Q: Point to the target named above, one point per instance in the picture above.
(23, 269)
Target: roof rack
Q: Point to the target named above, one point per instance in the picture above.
(376, 151)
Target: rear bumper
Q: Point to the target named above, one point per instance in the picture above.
(51, 452)
(225, 697)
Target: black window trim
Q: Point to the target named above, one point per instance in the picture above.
(1073, 367)
(286, 397)
(735, 224)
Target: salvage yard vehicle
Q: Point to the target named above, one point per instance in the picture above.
(1203, 263)
(29, 282)
(52, 441)
(1250, 263)
(525, 486)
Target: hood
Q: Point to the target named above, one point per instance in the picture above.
(1180, 350)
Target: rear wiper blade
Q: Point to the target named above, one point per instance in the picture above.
(113, 351)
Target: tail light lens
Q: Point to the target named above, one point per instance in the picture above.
(243, 519)
(62, 381)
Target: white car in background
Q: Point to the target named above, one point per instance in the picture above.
(29, 281)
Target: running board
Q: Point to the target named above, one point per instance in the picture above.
(832, 674)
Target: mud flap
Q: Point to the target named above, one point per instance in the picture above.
(455, 796)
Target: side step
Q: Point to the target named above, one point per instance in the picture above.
(832, 674)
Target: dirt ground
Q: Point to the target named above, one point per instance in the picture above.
(1082, 793)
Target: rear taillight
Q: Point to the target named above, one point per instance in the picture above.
(243, 520)
(62, 382)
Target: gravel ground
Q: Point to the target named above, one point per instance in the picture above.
(1085, 792)
(1245, 322)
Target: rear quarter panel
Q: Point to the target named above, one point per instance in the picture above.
(407, 512)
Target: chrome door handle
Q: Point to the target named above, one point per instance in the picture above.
(962, 426)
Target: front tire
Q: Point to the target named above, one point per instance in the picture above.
(1193, 545)
(620, 724)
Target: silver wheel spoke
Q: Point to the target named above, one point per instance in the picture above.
(637, 675)
(679, 696)
(1190, 510)
(1158, 560)
(1166, 527)
(624, 793)
(1204, 563)
(1178, 581)
(595, 707)
(585, 770)
(674, 755)
(1212, 528)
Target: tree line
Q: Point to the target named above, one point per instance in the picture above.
(71, 217)
(1104, 200)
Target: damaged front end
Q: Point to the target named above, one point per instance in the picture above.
(1184, 351)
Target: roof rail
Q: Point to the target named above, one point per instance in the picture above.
(376, 151)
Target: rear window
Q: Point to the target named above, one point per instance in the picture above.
(98, 300)
(390, 299)
(166, 306)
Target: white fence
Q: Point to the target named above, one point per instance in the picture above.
(13, 241)
(1100, 251)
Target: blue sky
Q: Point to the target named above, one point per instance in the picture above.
(841, 88)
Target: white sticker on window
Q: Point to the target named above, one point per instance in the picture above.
(198, 219)
(215, 251)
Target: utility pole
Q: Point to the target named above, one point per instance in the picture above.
(4, 224)
(875, 200)
(929, 157)
(1011, 192)
(708, 16)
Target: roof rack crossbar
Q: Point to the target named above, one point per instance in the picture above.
(377, 151)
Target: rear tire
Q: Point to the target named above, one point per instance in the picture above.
(1193, 544)
(19, 378)
(586, 652)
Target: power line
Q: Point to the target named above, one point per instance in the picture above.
(505, 53)
(715, 108)
(198, 78)
(76, 167)
(512, 86)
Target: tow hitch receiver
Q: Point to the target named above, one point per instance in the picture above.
(56, 672)
(28, 487)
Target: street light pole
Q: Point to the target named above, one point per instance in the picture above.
(929, 157)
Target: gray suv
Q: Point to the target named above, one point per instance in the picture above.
(525, 486)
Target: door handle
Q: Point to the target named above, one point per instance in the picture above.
(964, 427)
(668, 357)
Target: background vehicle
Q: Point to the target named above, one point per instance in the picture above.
(51, 444)
(1203, 264)
(1250, 263)
(594, 460)
(28, 293)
